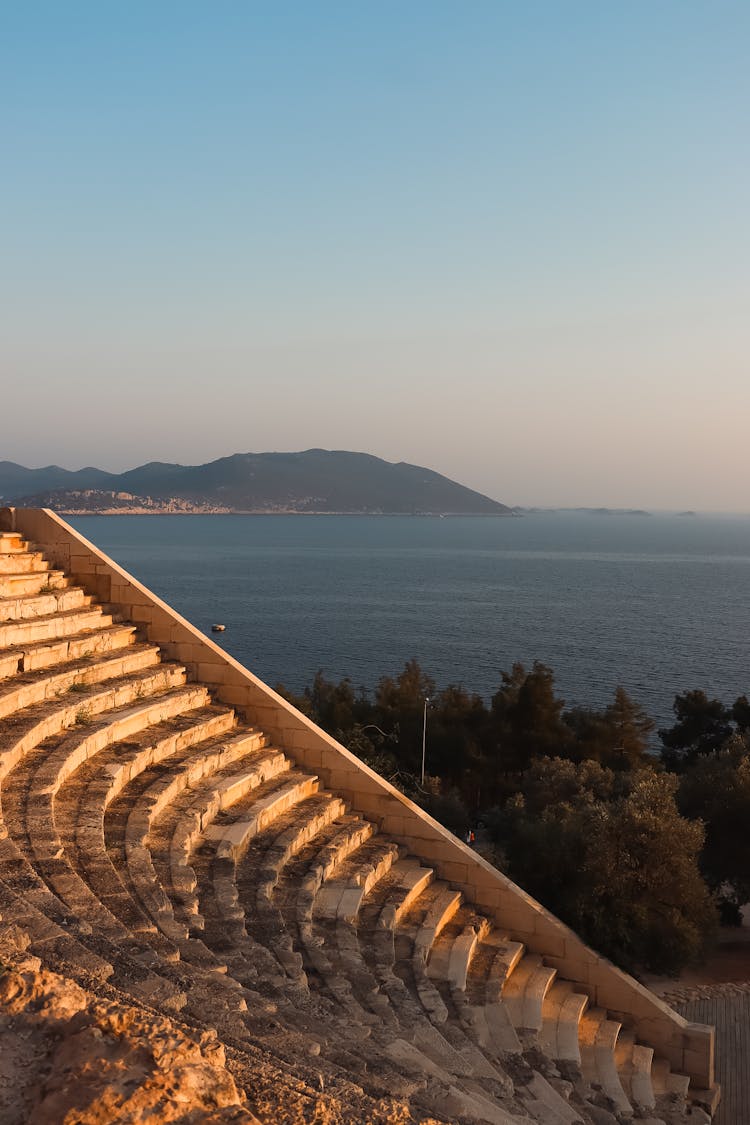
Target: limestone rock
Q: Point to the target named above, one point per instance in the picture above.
(82, 1060)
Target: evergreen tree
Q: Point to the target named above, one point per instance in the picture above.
(715, 788)
(631, 727)
(703, 725)
(527, 719)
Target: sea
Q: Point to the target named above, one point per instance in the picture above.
(659, 604)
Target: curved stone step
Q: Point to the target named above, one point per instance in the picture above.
(298, 885)
(29, 658)
(342, 897)
(382, 957)
(598, 1036)
(21, 733)
(472, 953)
(545, 1104)
(441, 908)
(561, 1015)
(389, 899)
(258, 875)
(20, 584)
(307, 820)
(229, 842)
(666, 1083)
(455, 946)
(324, 859)
(37, 687)
(525, 990)
(481, 1007)
(418, 925)
(61, 599)
(172, 757)
(50, 940)
(322, 957)
(11, 541)
(170, 779)
(483, 964)
(506, 959)
(340, 962)
(131, 705)
(133, 856)
(38, 780)
(180, 735)
(440, 986)
(373, 931)
(83, 729)
(223, 922)
(633, 1063)
(411, 880)
(641, 1088)
(133, 967)
(464, 949)
(53, 626)
(23, 561)
(168, 817)
(98, 783)
(163, 747)
(114, 915)
(624, 1058)
(54, 924)
(178, 831)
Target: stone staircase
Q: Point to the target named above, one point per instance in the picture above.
(155, 841)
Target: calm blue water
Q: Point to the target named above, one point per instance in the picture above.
(659, 604)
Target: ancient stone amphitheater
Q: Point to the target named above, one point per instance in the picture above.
(200, 866)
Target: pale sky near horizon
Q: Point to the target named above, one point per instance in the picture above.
(508, 241)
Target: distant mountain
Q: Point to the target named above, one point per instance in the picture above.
(16, 481)
(317, 480)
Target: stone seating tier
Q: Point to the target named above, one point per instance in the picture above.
(158, 838)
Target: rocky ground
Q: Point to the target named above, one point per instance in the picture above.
(69, 1056)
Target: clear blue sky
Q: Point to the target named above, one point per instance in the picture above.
(505, 240)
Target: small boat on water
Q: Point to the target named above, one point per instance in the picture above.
(218, 628)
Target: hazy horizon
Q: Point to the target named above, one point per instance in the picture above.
(507, 242)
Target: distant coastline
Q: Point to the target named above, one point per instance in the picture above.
(312, 482)
(207, 511)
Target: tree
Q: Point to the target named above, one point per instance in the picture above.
(631, 728)
(592, 736)
(741, 713)
(375, 748)
(703, 725)
(617, 737)
(609, 852)
(715, 788)
(333, 705)
(399, 705)
(646, 903)
(457, 721)
(407, 692)
(526, 718)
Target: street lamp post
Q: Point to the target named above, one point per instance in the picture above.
(424, 736)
